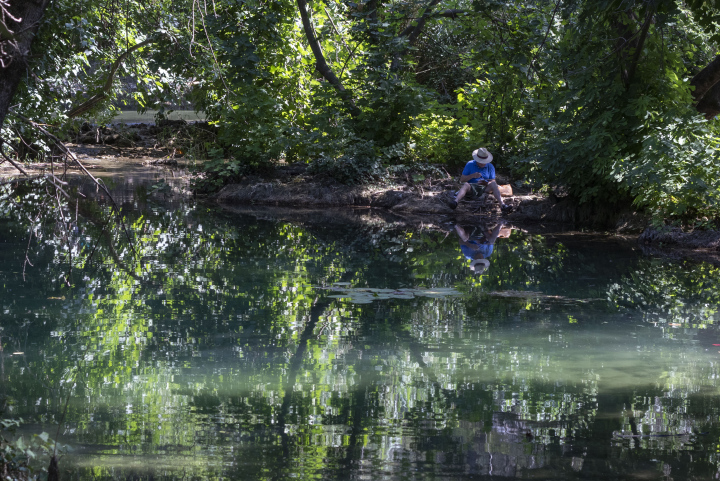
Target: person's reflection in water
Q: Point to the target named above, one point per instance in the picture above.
(478, 249)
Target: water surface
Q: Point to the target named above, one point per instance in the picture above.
(257, 344)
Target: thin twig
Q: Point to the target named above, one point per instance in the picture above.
(215, 60)
(12, 162)
(347, 60)
(547, 32)
(53, 180)
(27, 249)
(336, 30)
(65, 223)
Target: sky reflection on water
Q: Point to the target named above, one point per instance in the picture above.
(216, 349)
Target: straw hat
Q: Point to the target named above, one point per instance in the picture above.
(482, 156)
(478, 266)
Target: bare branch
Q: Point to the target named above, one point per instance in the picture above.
(216, 64)
(412, 32)
(74, 158)
(51, 178)
(17, 166)
(415, 33)
(22, 179)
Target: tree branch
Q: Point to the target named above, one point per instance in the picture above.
(320, 62)
(415, 33)
(412, 32)
(12, 161)
(449, 13)
(100, 96)
(641, 41)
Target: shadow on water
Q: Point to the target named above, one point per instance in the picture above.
(354, 344)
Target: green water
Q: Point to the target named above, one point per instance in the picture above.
(215, 347)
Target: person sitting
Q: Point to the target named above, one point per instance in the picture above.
(477, 178)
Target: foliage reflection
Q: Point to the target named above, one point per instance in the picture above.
(236, 345)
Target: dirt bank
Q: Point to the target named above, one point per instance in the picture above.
(413, 191)
(698, 245)
(292, 186)
(698, 239)
(405, 193)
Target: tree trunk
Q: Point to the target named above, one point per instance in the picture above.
(707, 89)
(19, 21)
(709, 104)
(629, 43)
(706, 78)
(640, 42)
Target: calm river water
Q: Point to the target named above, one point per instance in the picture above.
(258, 344)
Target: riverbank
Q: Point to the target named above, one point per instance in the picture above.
(291, 187)
(414, 192)
(421, 192)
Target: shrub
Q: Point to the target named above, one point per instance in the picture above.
(439, 137)
(355, 162)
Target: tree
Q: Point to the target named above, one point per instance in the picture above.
(19, 22)
(602, 108)
(587, 96)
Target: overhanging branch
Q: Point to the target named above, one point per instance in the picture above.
(413, 30)
(447, 13)
(105, 90)
(101, 185)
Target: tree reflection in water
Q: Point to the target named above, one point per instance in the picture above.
(216, 349)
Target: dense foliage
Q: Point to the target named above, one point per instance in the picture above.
(592, 97)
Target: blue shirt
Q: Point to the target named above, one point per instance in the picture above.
(486, 170)
(469, 252)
